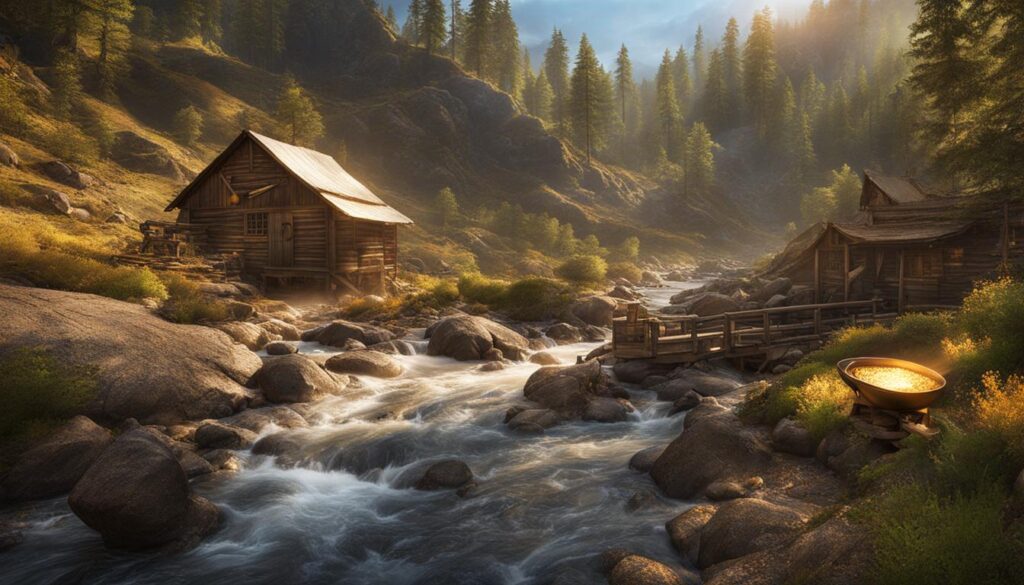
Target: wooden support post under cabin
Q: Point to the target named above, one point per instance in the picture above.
(817, 275)
(694, 335)
(727, 333)
(767, 325)
(900, 302)
(846, 273)
(653, 333)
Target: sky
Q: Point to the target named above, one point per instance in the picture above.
(647, 27)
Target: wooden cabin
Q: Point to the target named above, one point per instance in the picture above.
(912, 248)
(292, 213)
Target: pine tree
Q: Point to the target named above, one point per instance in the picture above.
(801, 148)
(188, 125)
(433, 29)
(412, 30)
(714, 102)
(949, 71)
(529, 82)
(543, 96)
(447, 207)
(454, 28)
(190, 18)
(812, 95)
(272, 21)
(505, 48)
(113, 37)
(392, 19)
(590, 98)
(781, 118)
(699, 62)
(556, 66)
(699, 169)
(296, 112)
(210, 26)
(732, 71)
(477, 38)
(625, 94)
(759, 70)
(681, 77)
(669, 117)
(66, 93)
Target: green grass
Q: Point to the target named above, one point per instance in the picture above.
(186, 304)
(476, 288)
(921, 538)
(40, 392)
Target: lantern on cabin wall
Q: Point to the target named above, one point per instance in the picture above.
(234, 199)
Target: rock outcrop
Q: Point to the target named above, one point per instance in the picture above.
(337, 333)
(744, 526)
(714, 445)
(295, 378)
(146, 368)
(468, 338)
(365, 363)
(55, 465)
(136, 153)
(595, 310)
(581, 391)
(136, 496)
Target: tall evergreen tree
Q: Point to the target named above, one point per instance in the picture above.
(781, 118)
(949, 69)
(113, 38)
(297, 113)
(732, 71)
(669, 116)
(714, 101)
(454, 29)
(505, 51)
(190, 18)
(210, 28)
(759, 70)
(812, 95)
(477, 37)
(412, 30)
(556, 66)
(625, 94)
(543, 96)
(699, 62)
(66, 92)
(391, 19)
(699, 168)
(590, 100)
(433, 29)
(681, 77)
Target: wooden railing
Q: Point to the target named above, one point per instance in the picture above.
(690, 338)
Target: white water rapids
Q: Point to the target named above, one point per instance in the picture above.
(543, 503)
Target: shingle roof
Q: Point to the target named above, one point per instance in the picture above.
(899, 189)
(322, 174)
(903, 232)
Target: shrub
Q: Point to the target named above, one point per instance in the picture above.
(187, 304)
(366, 308)
(188, 125)
(476, 288)
(626, 270)
(823, 404)
(992, 320)
(53, 269)
(999, 409)
(589, 269)
(14, 116)
(537, 298)
(65, 141)
(40, 391)
(922, 538)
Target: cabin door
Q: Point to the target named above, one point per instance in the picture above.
(281, 238)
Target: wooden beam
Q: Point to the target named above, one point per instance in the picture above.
(332, 247)
(846, 272)
(900, 301)
(817, 275)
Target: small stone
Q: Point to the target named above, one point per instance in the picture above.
(544, 358)
(281, 348)
(721, 491)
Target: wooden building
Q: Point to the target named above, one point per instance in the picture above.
(911, 248)
(291, 213)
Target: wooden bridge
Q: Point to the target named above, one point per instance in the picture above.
(742, 334)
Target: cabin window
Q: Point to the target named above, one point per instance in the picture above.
(954, 256)
(924, 264)
(256, 224)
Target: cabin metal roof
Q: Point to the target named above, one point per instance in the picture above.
(318, 171)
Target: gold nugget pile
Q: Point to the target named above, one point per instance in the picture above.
(895, 379)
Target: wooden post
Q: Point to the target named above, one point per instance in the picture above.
(766, 324)
(846, 273)
(654, 332)
(817, 275)
(817, 321)
(694, 336)
(727, 334)
(332, 247)
(900, 302)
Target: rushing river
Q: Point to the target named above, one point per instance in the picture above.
(343, 516)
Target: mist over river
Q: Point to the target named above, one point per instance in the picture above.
(346, 514)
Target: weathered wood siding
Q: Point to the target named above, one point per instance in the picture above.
(362, 244)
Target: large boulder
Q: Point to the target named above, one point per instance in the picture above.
(564, 333)
(744, 526)
(566, 389)
(337, 333)
(636, 371)
(640, 570)
(8, 157)
(467, 338)
(50, 200)
(714, 445)
(62, 173)
(295, 378)
(789, 436)
(146, 368)
(642, 461)
(365, 363)
(54, 466)
(709, 303)
(286, 331)
(684, 530)
(136, 496)
(596, 310)
(706, 383)
(250, 335)
(533, 420)
(136, 153)
(778, 286)
(447, 474)
(217, 435)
